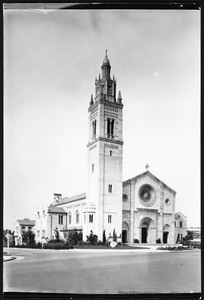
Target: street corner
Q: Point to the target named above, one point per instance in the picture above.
(8, 258)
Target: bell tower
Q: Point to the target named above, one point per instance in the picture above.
(103, 209)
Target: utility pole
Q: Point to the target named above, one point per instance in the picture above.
(7, 236)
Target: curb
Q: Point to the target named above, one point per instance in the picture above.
(9, 259)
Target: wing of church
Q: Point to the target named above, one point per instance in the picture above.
(140, 209)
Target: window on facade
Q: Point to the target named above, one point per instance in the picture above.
(84, 218)
(92, 167)
(43, 214)
(110, 128)
(43, 233)
(60, 219)
(77, 216)
(38, 215)
(110, 188)
(90, 218)
(23, 227)
(94, 128)
(70, 218)
(111, 153)
(181, 225)
(109, 218)
(29, 227)
(38, 233)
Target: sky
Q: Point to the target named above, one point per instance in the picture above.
(51, 59)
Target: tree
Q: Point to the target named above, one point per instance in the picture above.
(92, 238)
(29, 238)
(114, 236)
(74, 237)
(11, 238)
(104, 237)
(57, 235)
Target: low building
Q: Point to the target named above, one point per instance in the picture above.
(21, 226)
(148, 213)
(180, 226)
(49, 219)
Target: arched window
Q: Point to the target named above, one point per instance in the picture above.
(110, 188)
(94, 128)
(110, 128)
(43, 214)
(77, 216)
(38, 215)
(90, 218)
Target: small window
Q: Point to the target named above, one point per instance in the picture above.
(84, 218)
(90, 218)
(38, 233)
(77, 216)
(109, 218)
(23, 227)
(29, 227)
(38, 215)
(43, 214)
(181, 224)
(110, 188)
(92, 168)
(111, 152)
(60, 220)
(43, 233)
(70, 218)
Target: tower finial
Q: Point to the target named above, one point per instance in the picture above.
(106, 52)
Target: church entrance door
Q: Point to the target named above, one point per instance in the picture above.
(165, 237)
(124, 236)
(144, 234)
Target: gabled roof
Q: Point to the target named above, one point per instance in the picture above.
(26, 222)
(55, 209)
(72, 199)
(179, 214)
(147, 173)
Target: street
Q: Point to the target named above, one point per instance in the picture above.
(74, 271)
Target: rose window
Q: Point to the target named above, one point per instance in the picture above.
(147, 195)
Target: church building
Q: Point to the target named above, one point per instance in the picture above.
(140, 209)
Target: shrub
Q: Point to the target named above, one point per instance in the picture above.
(74, 237)
(38, 245)
(55, 241)
(92, 238)
(56, 246)
(158, 241)
(100, 243)
(136, 241)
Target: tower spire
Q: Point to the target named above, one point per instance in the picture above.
(106, 67)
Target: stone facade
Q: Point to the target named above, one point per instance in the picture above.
(139, 209)
(151, 206)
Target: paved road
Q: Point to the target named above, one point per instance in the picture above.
(107, 272)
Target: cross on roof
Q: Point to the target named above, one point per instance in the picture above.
(147, 167)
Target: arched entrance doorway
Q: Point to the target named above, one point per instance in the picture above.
(166, 229)
(125, 232)
(144, 229)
